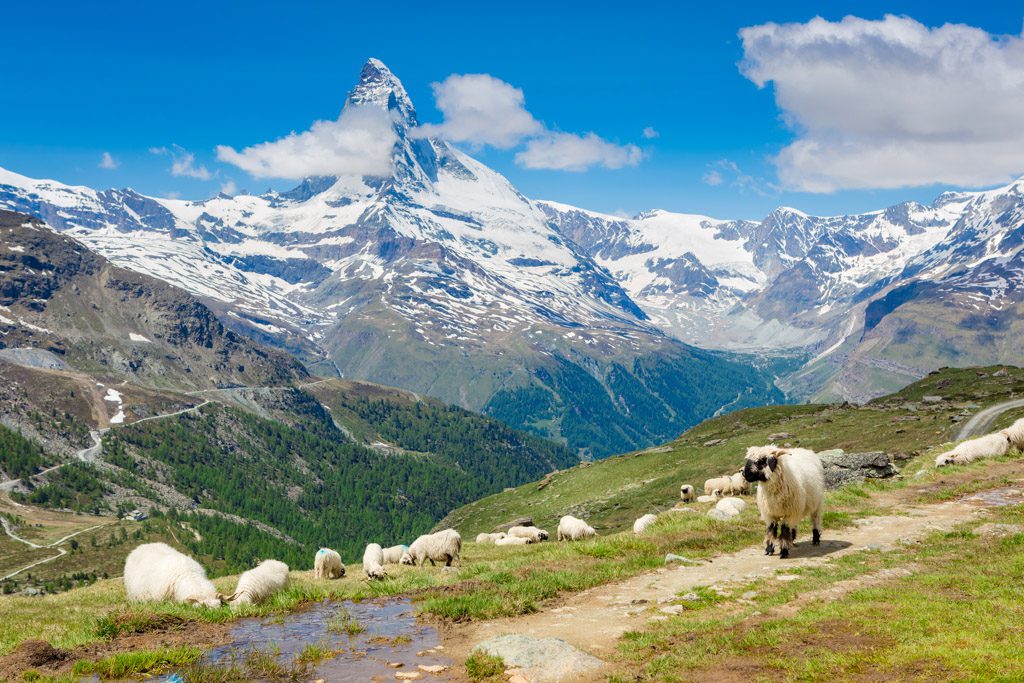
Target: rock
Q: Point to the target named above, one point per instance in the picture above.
(993, 529)
(408, 675)
(932, 399)
(672, 557)
(778, 436)
(706, 499)
(396, 665)
(723, 514)
(732, 503)
(714, 442)
(517, 677)
(786, 577)
(672, 609)
(432, 668)
(749, 595)
(448, 570)
(541, 660)
(844, 468)
(521, 521)
(691, 597)
(1000, 373)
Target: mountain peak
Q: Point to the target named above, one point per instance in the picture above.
(379, 86)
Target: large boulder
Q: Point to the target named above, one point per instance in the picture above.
(843, 468)
(519, 521)
(542, 660)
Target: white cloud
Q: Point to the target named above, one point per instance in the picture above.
(649, 133)
(359, 143)
(480, 109)
(570, 152)
(892, 103)
(109, 162)
(172, 195)
(713, 178)
(726, 171)
(183, 162)
(229, 188)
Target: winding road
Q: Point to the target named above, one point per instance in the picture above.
(981, 423)
(61, 552)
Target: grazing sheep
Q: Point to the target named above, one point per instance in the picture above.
(739, 485)
(442, 546)
(686, 493)
(792, 487)
(1015, 434)
(722, 484)
(490, 538)
(573, 529)
(327, 565)
(259, 583)
(710, 499)
(373, 562)
(640, 525)
(156, 571)
(512, 540)
(397, 554)
(988, 446)
(531, 532)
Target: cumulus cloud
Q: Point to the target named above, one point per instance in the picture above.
(183, 162)
(108, 162)
(480, 109)
(570, 152)
(892, 103)
(725, 171)
(229, 188)
(358, 143)
(649, 133)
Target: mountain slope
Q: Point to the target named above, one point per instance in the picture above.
(440, 278)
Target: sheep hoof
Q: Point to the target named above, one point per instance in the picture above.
(784, 553)
(769, 549)
(816, 537)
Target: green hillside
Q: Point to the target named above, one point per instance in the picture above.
(613, 492)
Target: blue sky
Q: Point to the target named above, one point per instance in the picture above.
(81, 79)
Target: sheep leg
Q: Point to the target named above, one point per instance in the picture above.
(769, 538)
(785, 540)
(818, 518)
(792, 533)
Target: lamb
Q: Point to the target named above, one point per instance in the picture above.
(259, 583)
(490, 538)
(640, 525)
(722, 484)
(156, 571)
(327, 565)
(1015, 434)
(573, 529)
(792, 487)
(373, 562)
(531, 532)
(686, 493)
(397, 554)
(988, 446)
(512, 540)
(441, 546)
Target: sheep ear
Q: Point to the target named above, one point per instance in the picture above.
(226, 598)
(773, 462)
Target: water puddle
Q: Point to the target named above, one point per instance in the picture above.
(390, 635)
(997, 497)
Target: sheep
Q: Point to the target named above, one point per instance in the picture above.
(722, 484)
(531, 532)
(1015, 434)
(573, 529)
(327, 565)
(490, 538)
(373, 562)
(640, 525)
(739, 485)
(686, 493)
(792, 487)
(156, 571)
(737, 504)
(512, 540)
(443, 546)
(397, 554)
(712, 498)
(259, 583)
(988, 446)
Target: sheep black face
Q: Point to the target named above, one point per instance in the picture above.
(761, 463)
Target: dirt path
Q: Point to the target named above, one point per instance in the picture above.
(61, 552)
(982, 421)
(594, 620)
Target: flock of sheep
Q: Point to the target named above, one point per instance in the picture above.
(791, 488)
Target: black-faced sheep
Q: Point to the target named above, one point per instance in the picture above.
(531, 532)
(397, 554)
(327, 565)
(792, 488)
(490, 538)
(512, 540)
(259, 583)
(641, 524)
(1015, 435)
(373, 562)
(988, 446)
(687, 494)
(442, 546)
(722, 484)
(156, 571)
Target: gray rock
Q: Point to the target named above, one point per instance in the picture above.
(722, 515)
(670, 558)
(932, 399)
(845, 468)
(520, 521)
(691, 597)
(542, 660)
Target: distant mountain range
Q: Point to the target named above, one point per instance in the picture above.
(608, 333)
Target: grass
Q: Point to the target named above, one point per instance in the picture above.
(147, 662)
(254, 665)
(481, 666)
(345, 623)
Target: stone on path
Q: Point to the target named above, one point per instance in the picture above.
(541, 660)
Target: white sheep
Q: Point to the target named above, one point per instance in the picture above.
(156, 571)
(531, 532)
(726, 504)
(259, 583)
(714, 497)
(739, 485)
(490, 538)
(397, 554)
(722, 484)
(573, 529)
(640, 525)
(327, 565)
(1015, 434)
(442, 546)
(686, 493)
(512, 540)
(792, 488)
(988, 446)
(373, 562)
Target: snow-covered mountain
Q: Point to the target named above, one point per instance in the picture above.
(440, 278)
